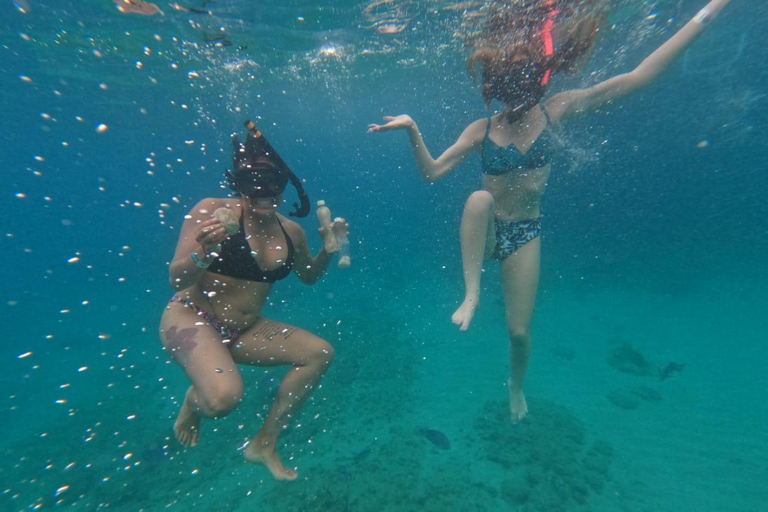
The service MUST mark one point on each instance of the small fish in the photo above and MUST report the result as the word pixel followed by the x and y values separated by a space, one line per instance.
pixel 362 455
pixel 671 368
pixel 137 7
pixel 435 437
pixel 216 40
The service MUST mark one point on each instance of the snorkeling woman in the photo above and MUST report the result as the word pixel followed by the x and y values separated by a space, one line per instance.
pixel 222 271
pixel 519 52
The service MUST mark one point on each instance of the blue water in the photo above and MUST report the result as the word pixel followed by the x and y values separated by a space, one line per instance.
pixel 655 237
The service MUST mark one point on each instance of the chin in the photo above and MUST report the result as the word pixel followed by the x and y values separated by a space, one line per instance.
pixel 262 206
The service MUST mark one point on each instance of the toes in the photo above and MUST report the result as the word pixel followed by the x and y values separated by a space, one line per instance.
pixel 187 438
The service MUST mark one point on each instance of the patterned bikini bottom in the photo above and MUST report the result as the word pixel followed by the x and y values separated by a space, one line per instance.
pixel 511 235
pixel 228 334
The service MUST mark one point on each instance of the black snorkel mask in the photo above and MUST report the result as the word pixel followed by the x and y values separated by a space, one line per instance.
pixel 259 172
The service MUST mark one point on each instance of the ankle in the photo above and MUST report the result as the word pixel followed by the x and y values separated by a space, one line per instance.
pixel 258 445
pixel 472 298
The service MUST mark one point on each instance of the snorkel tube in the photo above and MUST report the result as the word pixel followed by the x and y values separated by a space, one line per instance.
pixel 258 170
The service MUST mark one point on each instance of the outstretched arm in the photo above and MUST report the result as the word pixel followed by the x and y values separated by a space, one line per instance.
pixel 433 169
pixel 570 103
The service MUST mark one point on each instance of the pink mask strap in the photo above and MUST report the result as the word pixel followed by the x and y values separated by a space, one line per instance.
pixel 546 36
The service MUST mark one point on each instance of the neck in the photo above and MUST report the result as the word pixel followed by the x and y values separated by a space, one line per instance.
pixel 520 119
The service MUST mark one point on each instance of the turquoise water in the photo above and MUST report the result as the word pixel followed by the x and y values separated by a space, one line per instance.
pixel 655 246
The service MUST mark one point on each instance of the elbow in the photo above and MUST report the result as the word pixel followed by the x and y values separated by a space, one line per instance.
pixel 176 284
pixel 641 77
pixel 308 278
pixel 173 279
pixel 435 172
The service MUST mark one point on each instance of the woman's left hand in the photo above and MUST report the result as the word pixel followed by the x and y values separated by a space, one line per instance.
pixel 340 227
pixel 392 123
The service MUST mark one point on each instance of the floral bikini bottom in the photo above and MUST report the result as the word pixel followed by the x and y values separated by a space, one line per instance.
pixel 228 334
pixel 511 235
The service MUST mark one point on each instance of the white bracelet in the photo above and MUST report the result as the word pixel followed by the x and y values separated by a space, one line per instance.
pixel 704 16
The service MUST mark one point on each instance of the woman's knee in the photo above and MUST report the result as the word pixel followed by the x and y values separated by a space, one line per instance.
pixel 221 399
pixel 322 353
pixel 479 202
pixel 519 334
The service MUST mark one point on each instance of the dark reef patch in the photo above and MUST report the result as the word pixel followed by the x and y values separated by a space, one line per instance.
pixel 551 463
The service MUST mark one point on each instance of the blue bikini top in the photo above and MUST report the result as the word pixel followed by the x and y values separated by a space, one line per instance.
pixel 497 160
pixel 236 259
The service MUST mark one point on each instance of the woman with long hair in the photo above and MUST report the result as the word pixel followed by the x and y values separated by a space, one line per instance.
pixel 521 48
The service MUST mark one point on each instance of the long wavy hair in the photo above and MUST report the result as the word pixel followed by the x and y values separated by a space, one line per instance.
pixel 511 36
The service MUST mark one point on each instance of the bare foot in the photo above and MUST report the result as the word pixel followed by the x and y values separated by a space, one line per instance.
pixel 463 315
pixel 518 407
pixel 268 458
pixel 187 426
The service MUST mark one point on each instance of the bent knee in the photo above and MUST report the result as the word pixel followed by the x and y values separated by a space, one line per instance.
pixel 480 201
pixel 222 400
pixel 323 353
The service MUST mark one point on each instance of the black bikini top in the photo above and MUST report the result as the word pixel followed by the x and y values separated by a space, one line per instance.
pixel 236 259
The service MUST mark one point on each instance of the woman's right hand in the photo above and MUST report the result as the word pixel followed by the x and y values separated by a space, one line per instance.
pixel 392 123
pixel 210 234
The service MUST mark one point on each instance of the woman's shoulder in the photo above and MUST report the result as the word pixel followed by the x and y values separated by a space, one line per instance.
pixel 292 227
pixel 479 125
pixel 206 207
pixel 219 202
pixel 475 131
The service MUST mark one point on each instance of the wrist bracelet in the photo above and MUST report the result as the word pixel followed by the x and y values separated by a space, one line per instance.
pixel 197 261
pixel 703 17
